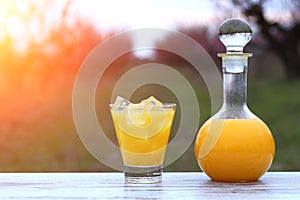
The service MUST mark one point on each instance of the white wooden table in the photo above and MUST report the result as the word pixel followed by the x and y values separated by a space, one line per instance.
pixel 273 185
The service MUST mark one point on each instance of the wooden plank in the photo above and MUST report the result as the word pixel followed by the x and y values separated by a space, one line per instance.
pixel 273 185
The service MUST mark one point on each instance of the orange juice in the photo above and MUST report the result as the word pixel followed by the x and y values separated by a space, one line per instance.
pixel 144 137
pixel 234 150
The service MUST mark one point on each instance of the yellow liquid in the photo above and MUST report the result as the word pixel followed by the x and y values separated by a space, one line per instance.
pixel 237 150
pixel 142 148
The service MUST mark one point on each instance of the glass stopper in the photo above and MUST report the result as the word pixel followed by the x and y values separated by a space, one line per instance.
pixel 235 34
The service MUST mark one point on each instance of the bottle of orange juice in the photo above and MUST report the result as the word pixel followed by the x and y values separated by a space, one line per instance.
pixel 234 145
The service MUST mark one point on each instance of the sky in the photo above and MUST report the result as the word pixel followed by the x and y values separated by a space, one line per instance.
pixel 145 13
pixel 125 13
pixel 19 20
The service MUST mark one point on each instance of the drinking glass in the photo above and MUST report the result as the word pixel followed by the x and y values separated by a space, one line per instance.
pixel 143 132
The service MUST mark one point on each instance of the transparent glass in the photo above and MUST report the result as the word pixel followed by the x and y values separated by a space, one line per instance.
pixel 234 145
pixel 143 147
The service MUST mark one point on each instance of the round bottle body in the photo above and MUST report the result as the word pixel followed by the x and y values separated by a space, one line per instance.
pixel 234 150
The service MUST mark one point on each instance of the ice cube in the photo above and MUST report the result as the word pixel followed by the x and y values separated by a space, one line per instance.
pixel 152 101
pixel 120 103
pixel 137 114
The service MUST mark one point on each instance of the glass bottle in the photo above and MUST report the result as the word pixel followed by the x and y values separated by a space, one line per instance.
pixel 234 145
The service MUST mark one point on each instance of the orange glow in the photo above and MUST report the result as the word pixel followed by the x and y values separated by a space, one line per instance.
pixel 23 21
pixel 12 22
pixel 38 54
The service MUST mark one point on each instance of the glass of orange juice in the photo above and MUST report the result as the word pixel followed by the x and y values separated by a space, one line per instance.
pixel 142 131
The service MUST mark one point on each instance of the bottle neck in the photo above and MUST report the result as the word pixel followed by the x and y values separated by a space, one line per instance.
pixel 235 89
pixel 235 69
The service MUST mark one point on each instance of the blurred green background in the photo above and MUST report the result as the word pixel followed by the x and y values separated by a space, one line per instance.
pixel 43 43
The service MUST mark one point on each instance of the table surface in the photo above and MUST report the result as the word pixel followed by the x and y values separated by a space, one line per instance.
pixel 183 185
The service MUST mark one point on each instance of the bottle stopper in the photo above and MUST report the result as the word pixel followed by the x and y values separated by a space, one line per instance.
pixel 235 34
